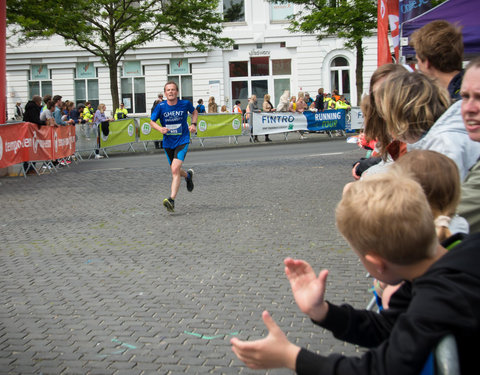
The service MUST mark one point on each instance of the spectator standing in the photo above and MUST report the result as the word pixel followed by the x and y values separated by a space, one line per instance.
pixel 46 99
pixel 76 114
pixel 212 106
pixel 469 206
pixel 200 107
pixel 308 100
pixel 439 50
pixel 319 100
pixel 283 102
pixel 18 111
pixel 252 107
pixel 236 107
pixel 32 114
pixel 414 109
pixel 58 115
pixel 341 103
pixel 267 107
pixel 121 113
pixel 32 111
pixel 301 107
pixel 47 114
pixel 100 124
pixel 223 109
pixel 157 101
pixel 292 106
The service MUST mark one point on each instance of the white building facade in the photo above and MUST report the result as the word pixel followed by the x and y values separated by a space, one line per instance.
pixel 266 58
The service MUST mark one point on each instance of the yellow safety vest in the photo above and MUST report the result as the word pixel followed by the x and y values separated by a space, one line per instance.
pixel 124 111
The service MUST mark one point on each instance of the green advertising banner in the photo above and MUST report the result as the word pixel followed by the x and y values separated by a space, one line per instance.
pixel 220 125
pixel 121 132
pixel 147 133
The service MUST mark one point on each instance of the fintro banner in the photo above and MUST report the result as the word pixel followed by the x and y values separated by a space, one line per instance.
pixel 281 122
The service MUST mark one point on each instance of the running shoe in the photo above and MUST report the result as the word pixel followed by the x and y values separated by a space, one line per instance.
pixel 189 179
pixel 169 204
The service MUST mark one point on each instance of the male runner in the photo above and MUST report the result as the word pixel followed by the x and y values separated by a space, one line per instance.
pixel 173 115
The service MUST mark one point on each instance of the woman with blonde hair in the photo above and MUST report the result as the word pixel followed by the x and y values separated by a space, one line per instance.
pixel 101 126
pixel 252 106
pixel 414 109
pixel 267 107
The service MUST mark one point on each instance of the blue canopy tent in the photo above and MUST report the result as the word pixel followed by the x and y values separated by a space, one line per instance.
pixel 461 12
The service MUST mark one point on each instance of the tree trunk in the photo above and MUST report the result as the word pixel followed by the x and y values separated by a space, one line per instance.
pixel 113 69
pixel 359 71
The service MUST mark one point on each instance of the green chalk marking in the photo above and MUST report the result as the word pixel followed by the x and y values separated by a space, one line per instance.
pixel 205 337
pixel 193 334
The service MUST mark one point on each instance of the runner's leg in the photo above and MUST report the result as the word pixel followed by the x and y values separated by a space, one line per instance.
pixel 177 174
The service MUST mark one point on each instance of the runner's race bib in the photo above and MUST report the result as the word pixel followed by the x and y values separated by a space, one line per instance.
pixel 174 129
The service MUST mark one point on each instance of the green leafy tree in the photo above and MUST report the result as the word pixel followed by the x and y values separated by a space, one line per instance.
pixel 349 19
pixel 110 28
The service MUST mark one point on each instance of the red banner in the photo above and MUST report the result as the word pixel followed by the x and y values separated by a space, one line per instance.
pixel 28 142
pixel 393 20
pixel 383 47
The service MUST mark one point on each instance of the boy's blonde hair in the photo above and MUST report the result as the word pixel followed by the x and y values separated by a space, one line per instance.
pixel 438 175
pixel 388 214
pixel 410 103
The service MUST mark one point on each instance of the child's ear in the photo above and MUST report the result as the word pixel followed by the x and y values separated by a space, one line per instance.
pixel 376 261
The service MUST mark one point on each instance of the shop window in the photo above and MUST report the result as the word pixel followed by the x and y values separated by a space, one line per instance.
pixel 259 66
pixel 281 67
pixel 238 69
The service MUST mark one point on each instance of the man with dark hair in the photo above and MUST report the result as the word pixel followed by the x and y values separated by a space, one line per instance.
pixel 439 50
pixel 32 111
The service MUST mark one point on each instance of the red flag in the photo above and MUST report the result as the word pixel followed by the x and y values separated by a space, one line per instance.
pixel 383 47
pixel 393 20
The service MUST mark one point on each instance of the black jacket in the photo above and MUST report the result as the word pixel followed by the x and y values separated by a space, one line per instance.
pixel 446 299
pixel 32 113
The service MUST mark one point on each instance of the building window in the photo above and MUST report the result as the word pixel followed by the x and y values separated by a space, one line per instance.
pixel 133 94
pixel 133 87
pixel 340 76
pixel 280 67
pixel 180 72
pixel 40 82
pixel 86 90
pixel 238 69
pixel 260 66
pixel 86 84
pixel 253 77
pixel 233 11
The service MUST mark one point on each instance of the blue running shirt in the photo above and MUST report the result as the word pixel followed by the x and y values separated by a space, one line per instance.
pixel 174 118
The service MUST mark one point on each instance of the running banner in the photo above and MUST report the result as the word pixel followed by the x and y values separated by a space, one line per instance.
pixel 26 141
pixel 147 133
pixel 120 132
pixel 281 122
pixel 220 125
